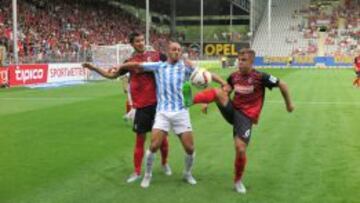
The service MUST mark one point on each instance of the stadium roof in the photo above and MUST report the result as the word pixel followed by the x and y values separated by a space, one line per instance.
pixel 189 7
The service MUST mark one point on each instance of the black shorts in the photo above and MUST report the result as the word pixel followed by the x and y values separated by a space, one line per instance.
pixel 144 119
pixel 241 124
pixel 358 74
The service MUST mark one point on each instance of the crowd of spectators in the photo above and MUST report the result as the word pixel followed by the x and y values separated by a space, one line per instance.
pixel 340 21
pixel 63 30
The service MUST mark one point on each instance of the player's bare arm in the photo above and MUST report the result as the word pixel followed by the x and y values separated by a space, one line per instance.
pixel 189 63
pixel 131 66
pixel 285 93
pixel 102 71
pixel 220 81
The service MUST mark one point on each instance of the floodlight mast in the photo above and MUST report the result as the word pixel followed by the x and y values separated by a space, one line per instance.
pixel 15 31
pixel 201 29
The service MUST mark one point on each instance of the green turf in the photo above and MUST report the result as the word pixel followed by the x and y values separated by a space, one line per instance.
pixel 71 145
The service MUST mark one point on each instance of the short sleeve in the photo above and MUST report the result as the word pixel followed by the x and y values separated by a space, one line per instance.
pixel 151 66
pixel 270 81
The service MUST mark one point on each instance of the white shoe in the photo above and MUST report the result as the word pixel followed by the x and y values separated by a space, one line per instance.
pixel 145 183
pixel 239 187
pixel 133 177
pixel 167 169
pixel 189 178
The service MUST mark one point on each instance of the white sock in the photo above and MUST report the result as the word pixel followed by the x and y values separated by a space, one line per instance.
pixel 189 162
pixel 149 161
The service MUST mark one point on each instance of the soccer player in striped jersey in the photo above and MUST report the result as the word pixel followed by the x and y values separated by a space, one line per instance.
pixel 143 95
pixel 171 113
pixel 244 109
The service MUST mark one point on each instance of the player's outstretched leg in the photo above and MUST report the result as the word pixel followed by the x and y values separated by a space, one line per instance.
pixel 239 164
pixel 156 140
pixel 188 144
pixel 206 96
pixel 211 95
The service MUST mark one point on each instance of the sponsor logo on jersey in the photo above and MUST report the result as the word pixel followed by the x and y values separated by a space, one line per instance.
pixel 244 89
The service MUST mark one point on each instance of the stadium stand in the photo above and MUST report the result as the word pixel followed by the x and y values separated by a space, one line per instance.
pixel 64 31
pixel 283 19
pixel 46 37
pixel 319 28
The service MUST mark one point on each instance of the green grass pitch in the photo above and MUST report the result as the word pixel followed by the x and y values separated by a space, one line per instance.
pixel 71 145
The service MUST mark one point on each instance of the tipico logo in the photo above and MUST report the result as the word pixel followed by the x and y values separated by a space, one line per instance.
pixel 28 74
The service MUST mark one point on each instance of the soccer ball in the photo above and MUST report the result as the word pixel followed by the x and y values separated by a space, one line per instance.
pixel 201 78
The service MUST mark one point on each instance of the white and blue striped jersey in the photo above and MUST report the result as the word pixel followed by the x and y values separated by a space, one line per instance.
pixel 169 83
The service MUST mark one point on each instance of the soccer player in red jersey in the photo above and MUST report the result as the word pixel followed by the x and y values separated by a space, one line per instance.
pixel 244 109
pixel 143 94
pixel 356 81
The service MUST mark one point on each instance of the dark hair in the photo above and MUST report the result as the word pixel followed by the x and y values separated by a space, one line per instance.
pixel 172 42
pixel 163 57
pixel 133 35
pixel 244 51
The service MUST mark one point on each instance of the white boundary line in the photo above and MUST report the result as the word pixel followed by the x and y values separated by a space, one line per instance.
pixel 44 98
pixel 89 98
pixel 316 102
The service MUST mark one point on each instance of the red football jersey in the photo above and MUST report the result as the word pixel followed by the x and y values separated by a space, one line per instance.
pixel 142 85
pixel 250 91
pixel 357 63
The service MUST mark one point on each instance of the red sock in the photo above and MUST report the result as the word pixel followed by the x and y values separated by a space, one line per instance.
pixel 139 152
pixel 240 162
pixel 128 106
pixel 164 150
pixel 205 96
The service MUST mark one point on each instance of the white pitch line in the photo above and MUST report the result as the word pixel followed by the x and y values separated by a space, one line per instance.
pixel 88 98
pixel 316 102
pixel 44 98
